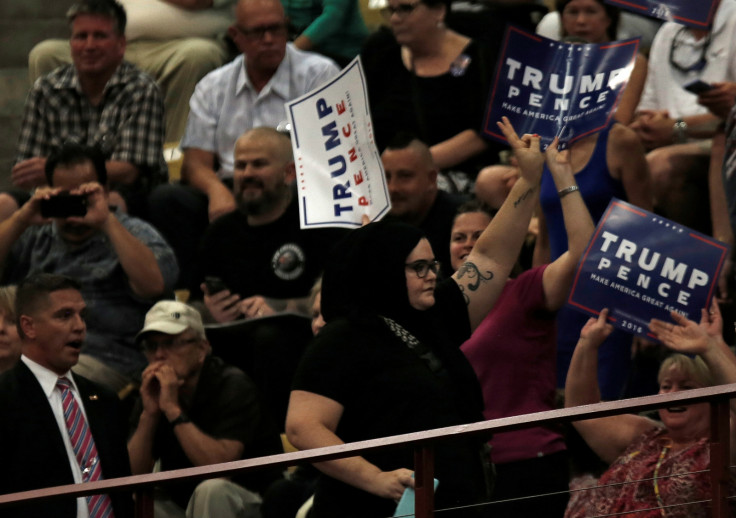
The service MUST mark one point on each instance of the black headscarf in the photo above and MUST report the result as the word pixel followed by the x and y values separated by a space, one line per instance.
pixel 365 278
pixel 365 275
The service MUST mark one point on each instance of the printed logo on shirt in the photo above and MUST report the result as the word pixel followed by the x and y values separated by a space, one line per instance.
pixel 288 262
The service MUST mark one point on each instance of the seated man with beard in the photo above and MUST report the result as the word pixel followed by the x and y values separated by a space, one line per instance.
pixel 265 262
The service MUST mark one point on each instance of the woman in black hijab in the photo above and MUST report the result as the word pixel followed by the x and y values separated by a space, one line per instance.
pixel 388 360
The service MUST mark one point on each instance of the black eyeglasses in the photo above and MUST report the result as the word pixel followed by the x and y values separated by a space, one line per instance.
pixel 168 344
pixel 422 267
pixel 278 30
pixel 400 9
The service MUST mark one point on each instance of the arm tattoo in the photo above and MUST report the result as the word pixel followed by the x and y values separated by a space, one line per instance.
pixel 475 278
pixel 523 197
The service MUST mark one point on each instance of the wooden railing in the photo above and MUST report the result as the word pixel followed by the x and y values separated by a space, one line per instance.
pixel 423 444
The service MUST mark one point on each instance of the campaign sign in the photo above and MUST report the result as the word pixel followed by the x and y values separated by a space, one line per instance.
pixel 642 266
pixel 696 13
pixel 557 89
pixel 338 169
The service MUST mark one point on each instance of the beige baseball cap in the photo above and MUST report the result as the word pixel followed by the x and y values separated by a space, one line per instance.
pixel 172 317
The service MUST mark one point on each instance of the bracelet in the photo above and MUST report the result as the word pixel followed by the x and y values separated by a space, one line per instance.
pixel 679 131
pixel 567 190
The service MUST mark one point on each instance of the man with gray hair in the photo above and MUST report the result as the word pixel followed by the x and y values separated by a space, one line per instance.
pixel 98 100
pixel 195 410
pixel 246 93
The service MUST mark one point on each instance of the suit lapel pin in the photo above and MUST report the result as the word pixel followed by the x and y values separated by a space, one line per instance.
pixel 93 397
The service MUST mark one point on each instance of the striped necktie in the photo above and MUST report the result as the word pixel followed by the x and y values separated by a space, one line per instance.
pixel 85 450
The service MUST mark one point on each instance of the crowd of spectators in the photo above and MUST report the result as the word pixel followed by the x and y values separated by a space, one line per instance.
pixel 439 315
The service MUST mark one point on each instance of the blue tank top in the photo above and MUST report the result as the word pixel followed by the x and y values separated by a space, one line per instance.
pixel 597 187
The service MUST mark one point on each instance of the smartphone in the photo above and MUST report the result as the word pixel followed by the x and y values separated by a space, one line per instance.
pixel 214 284
pixel 64 205
pixel 697 86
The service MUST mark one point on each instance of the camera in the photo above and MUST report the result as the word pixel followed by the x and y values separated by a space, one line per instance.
pixel 64 205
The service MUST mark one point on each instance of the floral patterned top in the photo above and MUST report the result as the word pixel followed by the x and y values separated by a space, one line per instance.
pixel 651 481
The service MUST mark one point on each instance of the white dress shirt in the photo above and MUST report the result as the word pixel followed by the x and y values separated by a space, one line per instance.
pixel 47 379
pixel 225 104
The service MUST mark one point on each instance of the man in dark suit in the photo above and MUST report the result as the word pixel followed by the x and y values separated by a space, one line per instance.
pixel 36 449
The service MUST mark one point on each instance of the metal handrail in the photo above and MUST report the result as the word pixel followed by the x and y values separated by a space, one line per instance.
pixel 423 442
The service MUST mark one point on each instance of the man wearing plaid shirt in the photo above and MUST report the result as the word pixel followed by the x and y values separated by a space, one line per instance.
pixel 98 100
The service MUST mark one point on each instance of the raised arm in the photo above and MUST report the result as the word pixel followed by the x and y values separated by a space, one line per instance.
pixel 137 260
pixel 608 437
pixel 483 275
pixel 706 340
pixel 311 422
pixel 558 276
pixel 27 215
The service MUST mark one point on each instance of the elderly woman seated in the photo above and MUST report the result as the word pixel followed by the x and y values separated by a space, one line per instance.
pixel 656 468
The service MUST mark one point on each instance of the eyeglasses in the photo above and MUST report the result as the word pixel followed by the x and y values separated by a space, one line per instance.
pixel 422 267
pixel 277 30
pixel 400 9
pixel 167 344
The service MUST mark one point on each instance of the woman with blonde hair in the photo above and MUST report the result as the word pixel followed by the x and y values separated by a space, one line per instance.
pixel 656 467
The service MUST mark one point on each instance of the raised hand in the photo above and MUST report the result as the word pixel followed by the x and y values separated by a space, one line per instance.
pixel 684 335
pixel 596 330
pixel 526 150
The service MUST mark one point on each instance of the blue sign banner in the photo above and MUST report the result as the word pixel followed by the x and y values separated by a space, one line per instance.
pixel 642 266
pixel 557 89
pixel 695 13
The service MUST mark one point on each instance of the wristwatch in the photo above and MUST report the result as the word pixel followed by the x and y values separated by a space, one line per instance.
pixel 679 131
pixel 183 418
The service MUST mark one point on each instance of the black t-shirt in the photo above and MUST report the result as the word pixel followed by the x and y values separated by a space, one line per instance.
pixel 225 405
pixel 386 389
pixel 277 260
pixel 433 108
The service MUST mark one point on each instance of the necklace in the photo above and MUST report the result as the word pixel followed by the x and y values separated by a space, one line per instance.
pixel 657 494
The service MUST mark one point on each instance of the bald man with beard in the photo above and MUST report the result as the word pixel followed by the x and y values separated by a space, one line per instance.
pixel 266 262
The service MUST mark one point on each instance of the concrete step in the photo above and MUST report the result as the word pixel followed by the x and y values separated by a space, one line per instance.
pixel 34 9
pixel 13 91
pixel 18 36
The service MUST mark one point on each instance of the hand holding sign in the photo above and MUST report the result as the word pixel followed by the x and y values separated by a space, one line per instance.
pixel 559 162
pixel 596 330
pixel 340 176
